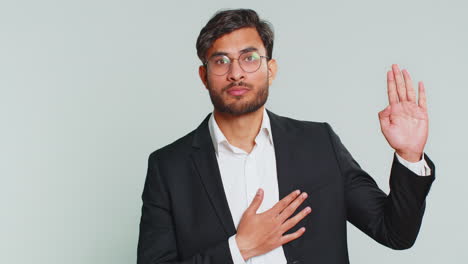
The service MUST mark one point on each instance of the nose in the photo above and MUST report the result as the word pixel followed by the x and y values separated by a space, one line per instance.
pixel 235 73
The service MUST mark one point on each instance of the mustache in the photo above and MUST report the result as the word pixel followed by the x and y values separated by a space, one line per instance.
pixel 244 84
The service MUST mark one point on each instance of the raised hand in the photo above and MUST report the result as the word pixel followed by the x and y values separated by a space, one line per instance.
pixel 404 122
pixel 258 234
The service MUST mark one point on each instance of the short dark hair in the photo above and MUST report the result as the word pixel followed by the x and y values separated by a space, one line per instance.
pixel 227 21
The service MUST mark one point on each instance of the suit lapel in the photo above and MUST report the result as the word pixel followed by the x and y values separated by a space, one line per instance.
pixel 284 154
pixel 206 164
pixel 288 171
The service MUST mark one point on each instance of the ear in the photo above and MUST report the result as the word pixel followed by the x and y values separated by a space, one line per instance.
pixel 272 69
pixel 203 75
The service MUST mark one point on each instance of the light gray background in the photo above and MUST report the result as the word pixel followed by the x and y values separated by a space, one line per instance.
pixel 90 88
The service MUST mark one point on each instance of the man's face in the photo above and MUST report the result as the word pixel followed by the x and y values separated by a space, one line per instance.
pixel 238 92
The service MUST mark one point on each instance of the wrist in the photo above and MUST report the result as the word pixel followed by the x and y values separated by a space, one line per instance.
pixel 245 252
pixel 410 156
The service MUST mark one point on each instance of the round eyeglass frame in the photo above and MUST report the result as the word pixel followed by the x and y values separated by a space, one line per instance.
pixel 240 64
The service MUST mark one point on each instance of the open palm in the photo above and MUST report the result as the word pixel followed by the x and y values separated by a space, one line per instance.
pixel 404 122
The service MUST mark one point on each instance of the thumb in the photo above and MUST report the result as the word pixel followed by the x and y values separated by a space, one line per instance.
pixel 385 113
pixel 256 202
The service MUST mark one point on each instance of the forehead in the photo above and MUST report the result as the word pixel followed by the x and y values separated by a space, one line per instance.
pixel 236 41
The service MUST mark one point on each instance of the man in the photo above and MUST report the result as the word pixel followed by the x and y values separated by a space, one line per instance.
pixel 236 189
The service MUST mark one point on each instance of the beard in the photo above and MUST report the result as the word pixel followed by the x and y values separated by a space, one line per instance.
pixel 238 107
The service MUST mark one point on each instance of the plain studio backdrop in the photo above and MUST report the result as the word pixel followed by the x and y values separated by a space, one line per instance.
pixel 90 88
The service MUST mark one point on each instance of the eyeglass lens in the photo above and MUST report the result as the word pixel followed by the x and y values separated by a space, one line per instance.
pixel 249 62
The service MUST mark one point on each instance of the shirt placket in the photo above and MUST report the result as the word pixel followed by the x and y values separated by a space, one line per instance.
pixel 252 180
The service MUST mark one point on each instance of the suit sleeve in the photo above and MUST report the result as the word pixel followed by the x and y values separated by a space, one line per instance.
pixel 393 220
pixel 157 241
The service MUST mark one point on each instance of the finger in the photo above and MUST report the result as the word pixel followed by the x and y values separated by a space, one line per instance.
pixel 422 96
pixel 256 202
pixel 294 220
pixel 400 83
pixel 410 94
pixel 288 211
pixel 290 237
pixel 279 206
pixel 391 88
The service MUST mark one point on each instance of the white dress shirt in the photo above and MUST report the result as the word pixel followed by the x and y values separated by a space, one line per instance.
pixel 243 173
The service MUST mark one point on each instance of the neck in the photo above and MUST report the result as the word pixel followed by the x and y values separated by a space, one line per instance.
pixel 241 130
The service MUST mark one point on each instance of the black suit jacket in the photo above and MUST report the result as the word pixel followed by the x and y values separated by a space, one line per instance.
pixel 186 217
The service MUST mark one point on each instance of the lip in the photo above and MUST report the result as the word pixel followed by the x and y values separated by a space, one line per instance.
pixel 237 90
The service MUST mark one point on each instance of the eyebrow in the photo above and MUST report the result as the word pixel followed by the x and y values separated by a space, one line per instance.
pixel 222 53
pixel 248 49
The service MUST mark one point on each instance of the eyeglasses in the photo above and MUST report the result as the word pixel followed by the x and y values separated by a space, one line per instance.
pixel 221 64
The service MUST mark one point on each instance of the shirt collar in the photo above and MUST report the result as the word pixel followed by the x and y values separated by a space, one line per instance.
pixel 219 139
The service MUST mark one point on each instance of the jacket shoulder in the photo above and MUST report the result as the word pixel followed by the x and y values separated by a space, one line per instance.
pixel 174 150
pixel 291 124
